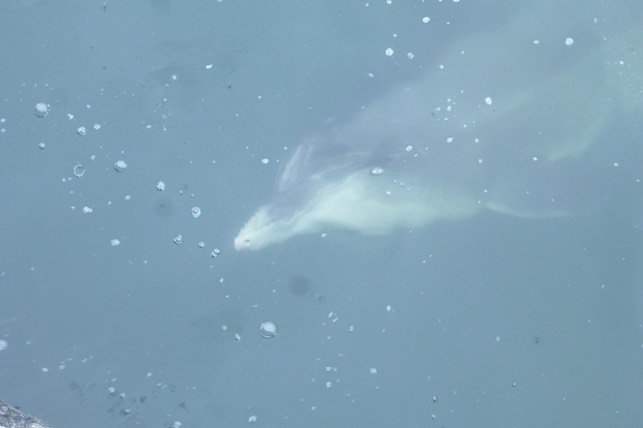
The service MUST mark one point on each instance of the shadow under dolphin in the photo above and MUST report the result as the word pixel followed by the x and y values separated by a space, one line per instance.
pixel 503 121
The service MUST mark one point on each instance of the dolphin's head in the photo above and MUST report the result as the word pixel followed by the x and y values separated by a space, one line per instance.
pixel 312 186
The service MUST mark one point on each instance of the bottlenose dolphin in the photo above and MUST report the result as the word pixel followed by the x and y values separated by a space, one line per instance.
pixel 500 122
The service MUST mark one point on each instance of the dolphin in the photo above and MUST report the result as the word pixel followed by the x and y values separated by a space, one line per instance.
pixel 500 121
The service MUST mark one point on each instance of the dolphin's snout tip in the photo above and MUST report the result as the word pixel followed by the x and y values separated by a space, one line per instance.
pixel 241 243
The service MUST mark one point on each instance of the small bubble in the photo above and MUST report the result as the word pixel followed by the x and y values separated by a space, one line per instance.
pixel 426 19
pixel 178 239
pixel 196 212
pixel 97 126
pixel 201 244
pixel 215 253
pixel 377 170
pixel 569 41
pixel 410 55
pixel 115 242
pixel 120 165
pixel 3 345
pixel 41 110
pixel 265 161
pixel 252 419
pixel 41 146
pixel 160 186
pixel 79 170
pixel 87 210
pixel 488 101
pixel 389 52
pixel 82 131
pixel 268 329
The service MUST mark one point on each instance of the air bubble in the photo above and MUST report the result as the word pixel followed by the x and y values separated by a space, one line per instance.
pixel 79 170
pixel 120 165
pixel 41 110
pixel 268 329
